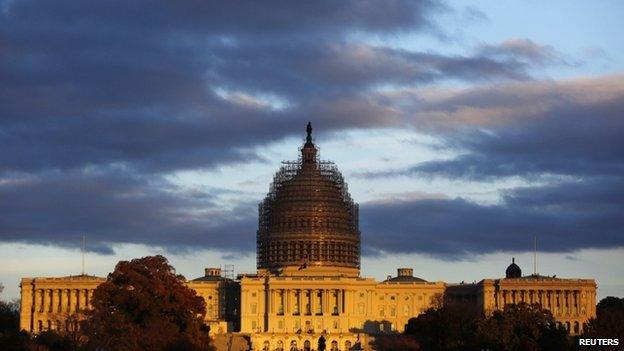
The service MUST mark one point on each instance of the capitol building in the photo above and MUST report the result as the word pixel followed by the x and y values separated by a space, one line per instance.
pixel 308 284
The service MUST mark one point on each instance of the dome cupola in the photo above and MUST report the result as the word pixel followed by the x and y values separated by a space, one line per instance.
pixel 513 270
pixel 308 222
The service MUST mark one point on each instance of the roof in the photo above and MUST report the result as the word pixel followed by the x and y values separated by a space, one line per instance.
pixel 538 276
pixel 405 279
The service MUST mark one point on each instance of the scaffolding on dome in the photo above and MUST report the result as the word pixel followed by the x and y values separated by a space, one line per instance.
pixel 288 171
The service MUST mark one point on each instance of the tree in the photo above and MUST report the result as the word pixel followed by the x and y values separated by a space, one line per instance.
pixel 395 343
pixel 11 338
pixel 521 327
pixel 609 321
pixel 54 341
pixel 145 305
pixel 446 327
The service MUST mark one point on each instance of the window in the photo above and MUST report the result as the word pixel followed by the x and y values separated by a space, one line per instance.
pixel 360 308
pixel 254 308
pixel 254 325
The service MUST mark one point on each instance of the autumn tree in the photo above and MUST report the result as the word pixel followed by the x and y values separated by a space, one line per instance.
pixel 145 305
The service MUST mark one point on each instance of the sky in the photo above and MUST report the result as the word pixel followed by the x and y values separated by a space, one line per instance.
pixel 464 131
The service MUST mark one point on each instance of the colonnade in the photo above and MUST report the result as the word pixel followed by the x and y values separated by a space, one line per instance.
pixel 558 301
pixel 307 301
pixel 62 300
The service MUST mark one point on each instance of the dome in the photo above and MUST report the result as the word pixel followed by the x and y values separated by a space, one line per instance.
pixel 405 275
pixel 513 270
pixel 308 218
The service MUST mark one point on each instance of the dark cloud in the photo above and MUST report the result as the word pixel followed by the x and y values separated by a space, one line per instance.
pixel 100 100
pixel 237 17
pixel 150 85
pixel 565 217
pixel 116 207
pixel 565 134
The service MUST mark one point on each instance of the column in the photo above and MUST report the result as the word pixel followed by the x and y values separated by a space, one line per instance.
pixel 287 308
pixel 569 302
pixel 27 305
pixel 327 308
pixel 46 300
pixel 72 300
pixel 39 300
pixel 271 308
pixel 282 301
pixel 90 299
pixel 547 299
pixel 77 295
pixel 340 301
pixel 298 300
pixel 349 302
pixel 312 301
pixel 84 297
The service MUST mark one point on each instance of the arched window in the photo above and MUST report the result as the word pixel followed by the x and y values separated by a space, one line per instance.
pixel 576 327
pixel 280 346
pixel 306 345
pixel 266 346
pixel 334 345
pixel 293 345
pixel 347 345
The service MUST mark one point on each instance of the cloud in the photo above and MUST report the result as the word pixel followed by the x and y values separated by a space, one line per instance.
pixel 101 102
pixel 119 83
pixel 525 50
pixel 117 207
pixel 567 134
pixel 526 129
pixel 565 217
